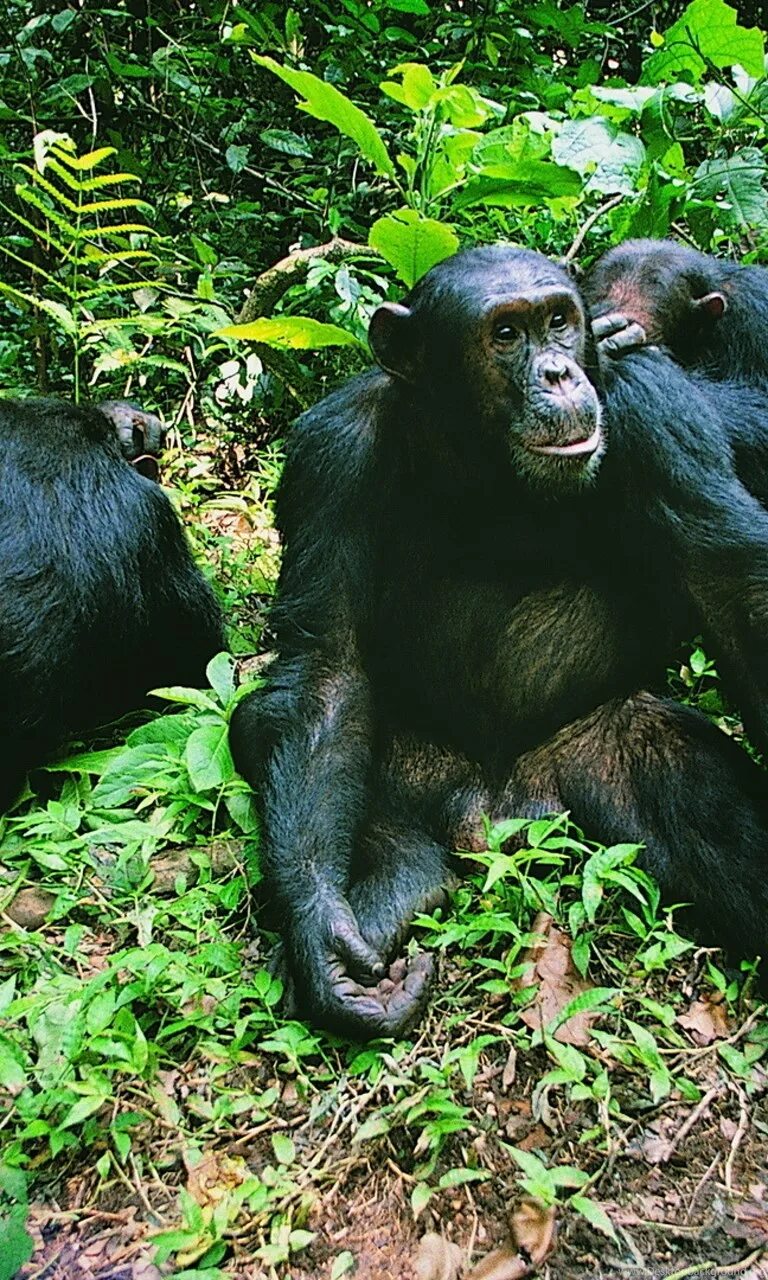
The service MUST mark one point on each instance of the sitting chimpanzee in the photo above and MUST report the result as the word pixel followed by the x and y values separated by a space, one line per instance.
pixel 100 600
pixel 711 316
pixel 472 602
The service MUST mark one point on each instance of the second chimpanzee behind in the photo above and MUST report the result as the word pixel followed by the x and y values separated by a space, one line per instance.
pixel 100 600
pixel 484 570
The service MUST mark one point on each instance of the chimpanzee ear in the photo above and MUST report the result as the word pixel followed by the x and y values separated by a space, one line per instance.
pixel 712 305
pixel 391 339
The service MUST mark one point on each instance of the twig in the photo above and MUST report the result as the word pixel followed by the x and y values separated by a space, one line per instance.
pixel 270 286
pixel 696 1114
pixel 701 1182
pixel 738 1138
pixel 588 225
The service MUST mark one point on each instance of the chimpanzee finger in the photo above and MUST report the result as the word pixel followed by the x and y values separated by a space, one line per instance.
pixel 359 958
pixel 628 339
pixel 389 1009
pixel 609 323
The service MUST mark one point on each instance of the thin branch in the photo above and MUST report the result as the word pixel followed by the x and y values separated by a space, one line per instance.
pixel 270 286
pixel 589 224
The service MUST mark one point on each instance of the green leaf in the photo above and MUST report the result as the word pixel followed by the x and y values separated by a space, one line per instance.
pixel 594 1214
pixel 12 1074
pixel 707 32
pixel 17 1244
pixel 325 102
pixel 220 674
pixel 82 1109
pixel 289 143
pixel 420 1198
pixel 343 1263
pixel 738 179
pixel 416 89
pixel 237 158
pixel 208 757
pixel 412 244
pixel 521 183
pixel 595 147
pixel 284 1149
pixel 408 6
pixel 291 332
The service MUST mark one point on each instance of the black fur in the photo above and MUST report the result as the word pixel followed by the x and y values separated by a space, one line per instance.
pixel 99 597
pixel 464 629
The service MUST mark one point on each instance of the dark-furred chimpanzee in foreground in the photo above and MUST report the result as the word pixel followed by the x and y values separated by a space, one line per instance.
pixel 100 600
pixel 710 316
pixel 472 605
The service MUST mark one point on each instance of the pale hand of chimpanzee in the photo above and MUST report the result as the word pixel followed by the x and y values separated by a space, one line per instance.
pixel 343 982
pixel 615 334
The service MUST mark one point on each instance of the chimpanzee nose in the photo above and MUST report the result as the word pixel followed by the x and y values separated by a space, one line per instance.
pixel 554 369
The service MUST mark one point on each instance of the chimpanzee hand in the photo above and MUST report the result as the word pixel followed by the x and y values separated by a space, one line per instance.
pixel 616 334
pixel 342 982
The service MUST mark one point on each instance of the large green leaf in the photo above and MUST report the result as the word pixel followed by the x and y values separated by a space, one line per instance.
pixel 738 179
pixel 595 147
pixel 208 758
pixel 526 182
pixel 412 244
pixel 707 32
pixel 297 332
pixel 325 102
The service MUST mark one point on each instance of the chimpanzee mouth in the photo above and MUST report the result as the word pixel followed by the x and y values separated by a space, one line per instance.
pixel 574 449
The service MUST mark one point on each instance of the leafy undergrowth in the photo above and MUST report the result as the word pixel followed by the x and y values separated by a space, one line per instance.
pixel 581 1066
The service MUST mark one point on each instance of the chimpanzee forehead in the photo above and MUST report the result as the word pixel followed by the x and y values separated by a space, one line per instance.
pixel 478 280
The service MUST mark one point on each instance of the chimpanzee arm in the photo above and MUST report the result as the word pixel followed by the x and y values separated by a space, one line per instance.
pixel 670 455
pixel 305 742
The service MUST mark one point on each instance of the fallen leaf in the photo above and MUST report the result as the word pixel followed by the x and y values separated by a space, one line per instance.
pixel 549 965
pixel 706 1020
pixel 437 1258
pixel 510 1070
pixel 30 907
pixel 214 1177
pixel 532 1231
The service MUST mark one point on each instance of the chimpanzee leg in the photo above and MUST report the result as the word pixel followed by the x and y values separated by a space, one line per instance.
pixel 649 770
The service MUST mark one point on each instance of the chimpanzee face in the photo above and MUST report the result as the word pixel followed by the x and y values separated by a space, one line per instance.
pixel 667 288
pixel 493 342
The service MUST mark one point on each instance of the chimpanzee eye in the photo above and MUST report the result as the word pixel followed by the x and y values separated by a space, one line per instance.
pixel 558 320
pixel 504 332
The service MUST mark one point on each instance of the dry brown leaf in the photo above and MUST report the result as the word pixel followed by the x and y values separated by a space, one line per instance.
pixel 705 1021
pixel 510 1070
pixel 214 1177
pixel 532 1230
pixel 549 965
pixel 30 907
pixel 437 1258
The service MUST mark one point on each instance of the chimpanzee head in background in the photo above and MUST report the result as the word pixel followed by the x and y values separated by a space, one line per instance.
pixel 491 346
pixel 675 294
pixel 141 434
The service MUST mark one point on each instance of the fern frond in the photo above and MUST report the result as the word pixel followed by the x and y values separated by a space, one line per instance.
pixel 32 197
pixel 55 310
pixel 89 184
pixel 37 232
pixel 93 254
pixel 53 191
pixel 30 266
pixel 127 202
pixel 88 161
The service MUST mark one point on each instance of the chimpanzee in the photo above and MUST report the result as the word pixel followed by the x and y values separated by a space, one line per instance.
pixel 487 563
pixel 100 600
pixel 710 315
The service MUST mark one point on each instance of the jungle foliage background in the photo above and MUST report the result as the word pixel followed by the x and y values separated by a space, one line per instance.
pixel 200 206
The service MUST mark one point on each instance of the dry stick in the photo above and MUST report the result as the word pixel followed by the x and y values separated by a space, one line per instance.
pixel 588 225
pixel 701 1182
pixel 695 1115
pixel 738 1138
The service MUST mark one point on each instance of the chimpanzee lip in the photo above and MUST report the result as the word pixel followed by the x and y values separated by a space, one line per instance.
pixel 575 449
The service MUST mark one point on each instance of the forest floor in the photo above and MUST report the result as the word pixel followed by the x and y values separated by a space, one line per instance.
pixel 585 1096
